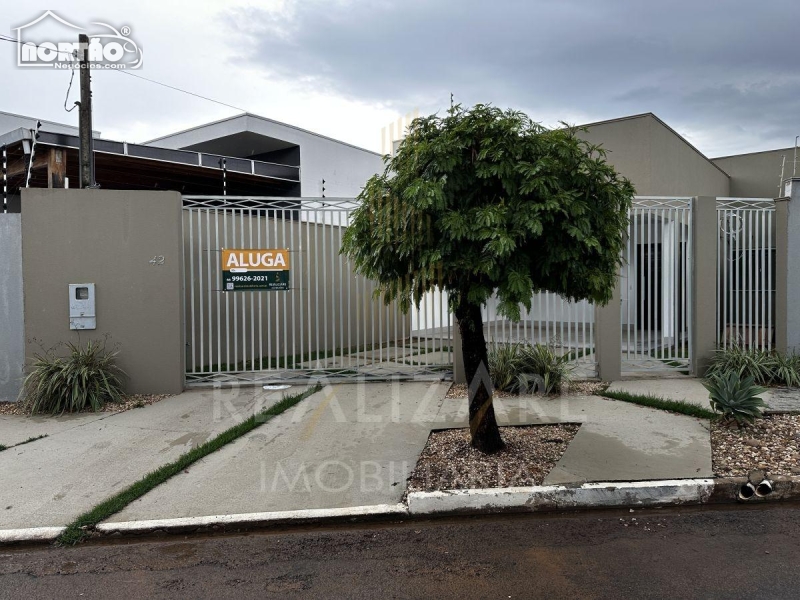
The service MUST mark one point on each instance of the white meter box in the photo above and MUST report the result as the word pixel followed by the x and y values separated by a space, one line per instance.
pixel 82 313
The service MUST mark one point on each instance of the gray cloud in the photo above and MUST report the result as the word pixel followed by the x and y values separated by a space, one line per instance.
pixel 726 70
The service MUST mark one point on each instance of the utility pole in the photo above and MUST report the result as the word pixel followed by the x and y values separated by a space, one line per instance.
pixel 85 116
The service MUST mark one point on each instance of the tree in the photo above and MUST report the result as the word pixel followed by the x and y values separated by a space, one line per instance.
pixel 484 201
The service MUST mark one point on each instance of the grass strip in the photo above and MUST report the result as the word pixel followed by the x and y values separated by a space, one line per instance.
pixel 677 406
pixel 28 441
pixel 81 527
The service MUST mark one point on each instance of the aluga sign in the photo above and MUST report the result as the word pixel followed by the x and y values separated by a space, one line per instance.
pixel 255 269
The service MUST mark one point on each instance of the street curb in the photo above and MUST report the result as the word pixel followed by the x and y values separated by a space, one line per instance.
pixel 254 520
pixel 561 497
pixel 632 494
pixel 31 534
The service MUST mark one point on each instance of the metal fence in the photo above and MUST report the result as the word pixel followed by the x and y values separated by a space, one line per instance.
pixel 566 327
pixel 328 324
pixel 657 286
pixel 746 272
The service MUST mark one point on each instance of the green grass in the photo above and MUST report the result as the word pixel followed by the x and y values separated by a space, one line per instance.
pixel 28 441
pixel 32 439
pixel 677 406
pixel 81 527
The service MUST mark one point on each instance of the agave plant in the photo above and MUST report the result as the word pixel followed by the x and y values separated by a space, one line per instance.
pixel 87 376
pixel 735 398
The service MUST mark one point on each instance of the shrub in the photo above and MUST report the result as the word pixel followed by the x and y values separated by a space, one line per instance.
pixel 765 367
pixel 87 377
pixel 504 366
pixel 786 369
pixel 548 364
pixel 735 397
pixel 754 363
pixel 524 368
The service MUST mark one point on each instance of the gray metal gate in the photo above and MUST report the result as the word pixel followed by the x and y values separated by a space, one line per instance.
pixel 656 281
pixel 328 324
pixel 746 272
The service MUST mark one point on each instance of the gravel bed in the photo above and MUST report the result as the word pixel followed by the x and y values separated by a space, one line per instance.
pixel 134 401
pixel 459 390
pixel 449 462
pixel 772 445
pixel 573 388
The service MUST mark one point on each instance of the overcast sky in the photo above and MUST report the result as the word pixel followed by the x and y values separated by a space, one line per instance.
pixel 723 73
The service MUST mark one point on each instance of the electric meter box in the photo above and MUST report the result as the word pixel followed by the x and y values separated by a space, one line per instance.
pixel 82 313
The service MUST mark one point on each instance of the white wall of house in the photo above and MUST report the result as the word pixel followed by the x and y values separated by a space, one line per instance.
pixel 344 167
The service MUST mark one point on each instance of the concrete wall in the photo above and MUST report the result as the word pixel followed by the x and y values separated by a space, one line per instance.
pixel 757 175
pixel 12 336
pixel 109 238
pixel 656 159
pixel 345 168
pixel 790 242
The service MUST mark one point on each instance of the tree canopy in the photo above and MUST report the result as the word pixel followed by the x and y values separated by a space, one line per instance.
pixel 482 201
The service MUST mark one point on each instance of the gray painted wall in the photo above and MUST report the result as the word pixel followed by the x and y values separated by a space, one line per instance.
pixel 656 159
pixel 345 168
pixel 757 175
pixel 792 240
pixel 107 238
pixel 12 336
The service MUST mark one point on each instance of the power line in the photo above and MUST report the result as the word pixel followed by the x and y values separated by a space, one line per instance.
pixel 177 89
pixel 69 88
pixel 5 38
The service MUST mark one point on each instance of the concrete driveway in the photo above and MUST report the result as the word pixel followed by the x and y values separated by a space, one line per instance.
pixel 87 458
pixel 350 445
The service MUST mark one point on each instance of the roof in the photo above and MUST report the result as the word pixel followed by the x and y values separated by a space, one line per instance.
pixel 790 150
pixel 120 165
pixel 664 124
pixel 272 121
pixel 42 121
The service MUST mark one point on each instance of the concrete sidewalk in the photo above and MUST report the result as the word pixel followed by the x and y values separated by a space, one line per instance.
pixel 617 441
pixel 355 446
pixel 87 458
pixel 350 445
pixel 689 389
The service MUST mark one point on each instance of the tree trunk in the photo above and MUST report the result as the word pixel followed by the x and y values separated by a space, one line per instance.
pixel 482 421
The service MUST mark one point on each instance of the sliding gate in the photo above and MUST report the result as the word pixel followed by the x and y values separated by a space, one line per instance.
pixel 656 282
pixel 327 324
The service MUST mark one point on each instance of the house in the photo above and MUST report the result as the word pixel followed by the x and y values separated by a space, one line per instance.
pixel 661 162
pixel 343 167
pixel 246 155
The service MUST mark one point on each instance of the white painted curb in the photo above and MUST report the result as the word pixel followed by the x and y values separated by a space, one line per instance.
pixel 32 534
pixel 254 518
pixel 554 497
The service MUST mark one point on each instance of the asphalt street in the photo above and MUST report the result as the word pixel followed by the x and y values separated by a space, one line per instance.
pixel 738 552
